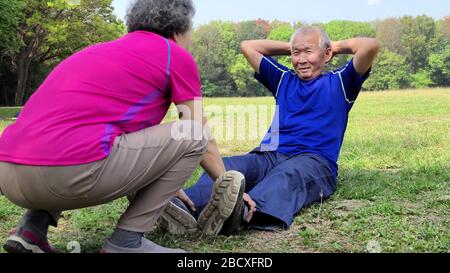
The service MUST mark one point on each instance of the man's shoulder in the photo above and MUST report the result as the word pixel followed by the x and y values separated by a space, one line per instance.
pixel 328 81
pixel 272 62
pixel 334 76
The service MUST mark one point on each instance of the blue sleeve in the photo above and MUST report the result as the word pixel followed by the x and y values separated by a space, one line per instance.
pixel 351 81
pixel 270 74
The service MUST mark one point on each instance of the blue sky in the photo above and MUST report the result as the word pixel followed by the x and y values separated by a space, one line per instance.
pixel 307 11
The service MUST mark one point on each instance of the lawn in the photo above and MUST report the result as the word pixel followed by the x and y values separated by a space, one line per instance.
pixel 393 193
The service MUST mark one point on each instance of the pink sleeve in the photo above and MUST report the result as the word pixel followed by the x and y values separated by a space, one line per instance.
pixel 184 76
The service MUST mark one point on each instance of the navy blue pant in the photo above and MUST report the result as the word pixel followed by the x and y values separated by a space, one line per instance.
pixel 280 185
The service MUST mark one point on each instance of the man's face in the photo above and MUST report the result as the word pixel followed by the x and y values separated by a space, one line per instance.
pixel 308 58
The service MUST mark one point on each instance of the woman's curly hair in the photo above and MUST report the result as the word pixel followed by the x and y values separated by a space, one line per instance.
pixel 164 17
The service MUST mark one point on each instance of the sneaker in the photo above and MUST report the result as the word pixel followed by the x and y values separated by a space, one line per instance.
pixel 25 241
pixel 234 222
pixel 147 246
pixel 224 212
pixel 176 218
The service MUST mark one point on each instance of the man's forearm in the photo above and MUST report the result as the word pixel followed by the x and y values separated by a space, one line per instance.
pixel 353 46
pixel 212 162
pixel 254 50
pixel 267 47
pixel 364 50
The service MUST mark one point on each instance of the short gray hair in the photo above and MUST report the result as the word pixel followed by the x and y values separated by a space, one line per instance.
pixel 324 43
pixel 163 17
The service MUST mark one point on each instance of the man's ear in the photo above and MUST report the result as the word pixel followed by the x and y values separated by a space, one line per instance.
pixel 328 55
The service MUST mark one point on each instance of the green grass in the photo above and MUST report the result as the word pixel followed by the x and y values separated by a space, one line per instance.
pixel 6 116
pixel 8 112
pixel 394 187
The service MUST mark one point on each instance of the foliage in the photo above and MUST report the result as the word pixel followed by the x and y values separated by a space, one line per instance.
pixel 389 71
pixel 37 36
pixel 46 32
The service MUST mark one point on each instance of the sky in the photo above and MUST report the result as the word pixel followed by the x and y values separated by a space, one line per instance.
pixel 311 11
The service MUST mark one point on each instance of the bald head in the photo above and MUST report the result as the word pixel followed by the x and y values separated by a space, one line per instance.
pixel 324 40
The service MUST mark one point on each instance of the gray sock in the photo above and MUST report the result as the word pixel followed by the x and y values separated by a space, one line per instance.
pixel 125 238
pixel 36 221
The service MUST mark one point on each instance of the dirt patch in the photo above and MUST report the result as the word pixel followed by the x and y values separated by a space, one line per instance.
pixel 391 170
pixel 410 207
pixel 319 233
pixel 430 218
pixel 346 207
pixel 444 198
pixel 281 241
pixel 418 214
pixel 350 205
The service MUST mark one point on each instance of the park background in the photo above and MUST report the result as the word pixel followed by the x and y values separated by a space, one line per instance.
pixel 393 194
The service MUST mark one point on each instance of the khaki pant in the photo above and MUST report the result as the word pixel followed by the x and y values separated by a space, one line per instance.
pixel 148 166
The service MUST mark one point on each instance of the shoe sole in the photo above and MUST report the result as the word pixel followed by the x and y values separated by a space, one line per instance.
pixel 177 221
pixel 15 244
pixel 233 224
pixel 222 202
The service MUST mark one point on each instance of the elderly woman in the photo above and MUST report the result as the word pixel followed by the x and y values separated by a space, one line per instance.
pixel 91 133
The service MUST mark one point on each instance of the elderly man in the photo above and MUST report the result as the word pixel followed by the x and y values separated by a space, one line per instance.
pixel 296 164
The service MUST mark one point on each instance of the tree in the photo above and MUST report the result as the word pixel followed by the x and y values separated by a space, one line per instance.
pixel 340 30
pixel 389 34
pixel 51 30
pixel 421 79
pixel 442 37
pixel 440 67
pixel 242 74
pixel 264 24
pixel 10 16
pixel 282 32
pixel 443 29
pixel 389 71
pixel 214 48
pixel 298 25
pixel 251 30
pixel 417 36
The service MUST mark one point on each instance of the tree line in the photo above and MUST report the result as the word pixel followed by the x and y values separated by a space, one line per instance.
pixel 35 35
pixel 415 52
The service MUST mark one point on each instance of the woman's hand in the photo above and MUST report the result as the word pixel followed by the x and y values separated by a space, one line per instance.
pixel 186 200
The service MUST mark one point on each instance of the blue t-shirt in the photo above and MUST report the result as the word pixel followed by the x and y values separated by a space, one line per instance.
pixel 311 116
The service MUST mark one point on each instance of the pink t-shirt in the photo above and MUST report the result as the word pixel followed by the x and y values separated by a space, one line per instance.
pixel 97 94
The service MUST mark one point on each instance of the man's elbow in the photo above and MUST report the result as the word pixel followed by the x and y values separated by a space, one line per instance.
pixel 250 45
pixel 374 46
pixel 245 45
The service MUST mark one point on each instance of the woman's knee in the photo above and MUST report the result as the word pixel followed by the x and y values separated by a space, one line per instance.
pixel 9 187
